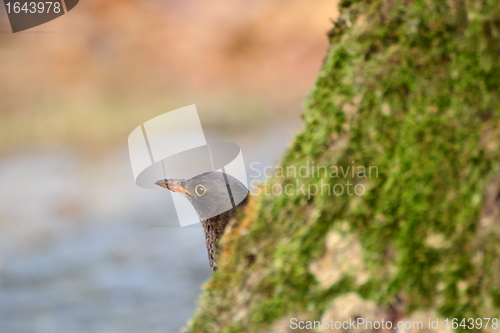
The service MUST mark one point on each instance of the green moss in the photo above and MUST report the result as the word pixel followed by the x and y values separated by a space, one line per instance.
pixel 412 89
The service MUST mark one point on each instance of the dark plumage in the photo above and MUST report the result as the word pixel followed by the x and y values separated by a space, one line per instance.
pixel 216 197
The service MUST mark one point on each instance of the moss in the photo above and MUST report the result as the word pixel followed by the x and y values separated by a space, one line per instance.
pixel 413 89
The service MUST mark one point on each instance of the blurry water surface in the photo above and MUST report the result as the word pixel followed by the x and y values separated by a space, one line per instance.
pixel 83 249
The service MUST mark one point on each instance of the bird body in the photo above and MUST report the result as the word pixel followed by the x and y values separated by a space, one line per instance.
pixel 214 229
pixel 216 197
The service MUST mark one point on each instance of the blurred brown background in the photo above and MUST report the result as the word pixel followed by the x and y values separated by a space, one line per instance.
pixel 82 248
pixel 95 73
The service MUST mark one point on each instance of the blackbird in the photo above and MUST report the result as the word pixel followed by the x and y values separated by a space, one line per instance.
pixel 216 197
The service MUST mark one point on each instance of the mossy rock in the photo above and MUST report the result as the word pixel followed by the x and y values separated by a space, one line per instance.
pixel 412 90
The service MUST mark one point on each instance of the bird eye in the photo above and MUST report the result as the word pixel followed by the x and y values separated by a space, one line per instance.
pixel 200 190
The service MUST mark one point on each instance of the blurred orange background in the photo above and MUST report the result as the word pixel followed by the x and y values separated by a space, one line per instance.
pixel 93 74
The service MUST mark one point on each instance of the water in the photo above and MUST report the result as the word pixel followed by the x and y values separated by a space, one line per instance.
pixel 83 249
pixel 80 251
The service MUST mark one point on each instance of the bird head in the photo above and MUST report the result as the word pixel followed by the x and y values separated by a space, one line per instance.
pixel 211 193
